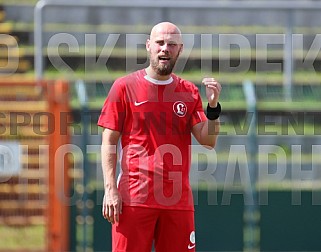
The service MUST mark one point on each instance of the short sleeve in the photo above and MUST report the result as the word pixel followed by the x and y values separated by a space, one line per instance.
pixel 198 114
pixel 113 111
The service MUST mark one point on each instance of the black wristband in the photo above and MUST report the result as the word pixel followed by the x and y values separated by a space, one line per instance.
pixel 213 113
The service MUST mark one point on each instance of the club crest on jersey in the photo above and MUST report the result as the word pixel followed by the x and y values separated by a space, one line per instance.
pixel 180 108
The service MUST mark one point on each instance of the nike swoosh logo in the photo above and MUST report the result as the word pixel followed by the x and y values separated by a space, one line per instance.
pixel 191 246
pixel 140 103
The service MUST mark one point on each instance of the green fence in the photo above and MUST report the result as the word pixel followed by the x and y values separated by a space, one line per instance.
pixel 286 223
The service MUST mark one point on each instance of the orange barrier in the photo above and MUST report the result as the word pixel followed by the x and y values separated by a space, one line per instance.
pixel 33 115
pixel 58 231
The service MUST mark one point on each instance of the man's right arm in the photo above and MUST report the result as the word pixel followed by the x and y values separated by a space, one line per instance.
pixel 112 203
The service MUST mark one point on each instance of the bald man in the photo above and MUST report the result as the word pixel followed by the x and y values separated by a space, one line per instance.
pixel 153 114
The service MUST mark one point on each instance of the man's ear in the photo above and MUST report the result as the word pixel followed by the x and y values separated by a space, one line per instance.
pixel 148 45
pixel 181 49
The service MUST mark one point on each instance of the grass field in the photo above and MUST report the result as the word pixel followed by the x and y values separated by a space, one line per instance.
pixel 26 238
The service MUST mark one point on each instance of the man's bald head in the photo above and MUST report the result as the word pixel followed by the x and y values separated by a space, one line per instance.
pixel 166 28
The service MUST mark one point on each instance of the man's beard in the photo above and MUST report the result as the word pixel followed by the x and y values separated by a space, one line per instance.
pixel 163 69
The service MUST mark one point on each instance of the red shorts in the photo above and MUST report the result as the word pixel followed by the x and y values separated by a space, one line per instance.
pixel 138 227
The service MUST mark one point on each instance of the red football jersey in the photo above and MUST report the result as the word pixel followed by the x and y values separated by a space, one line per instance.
pixel 155 119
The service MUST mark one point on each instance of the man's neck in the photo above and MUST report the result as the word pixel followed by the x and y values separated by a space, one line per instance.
pixel 151 73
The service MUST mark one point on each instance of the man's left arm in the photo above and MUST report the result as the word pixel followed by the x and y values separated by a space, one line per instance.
pixel 206 132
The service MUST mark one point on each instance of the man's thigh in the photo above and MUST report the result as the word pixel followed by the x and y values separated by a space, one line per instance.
pixel 135 230
pixel 175 231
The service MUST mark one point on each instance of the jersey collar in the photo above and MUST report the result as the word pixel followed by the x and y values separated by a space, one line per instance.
pixel 159 82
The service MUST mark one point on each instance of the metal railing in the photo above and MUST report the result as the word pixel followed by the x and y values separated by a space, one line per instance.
pixel 288 6
pixel 251 209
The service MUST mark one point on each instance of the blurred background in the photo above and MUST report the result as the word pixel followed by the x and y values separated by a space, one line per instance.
pixel 259 190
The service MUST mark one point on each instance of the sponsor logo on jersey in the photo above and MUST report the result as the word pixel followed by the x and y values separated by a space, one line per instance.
pixel 140 103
